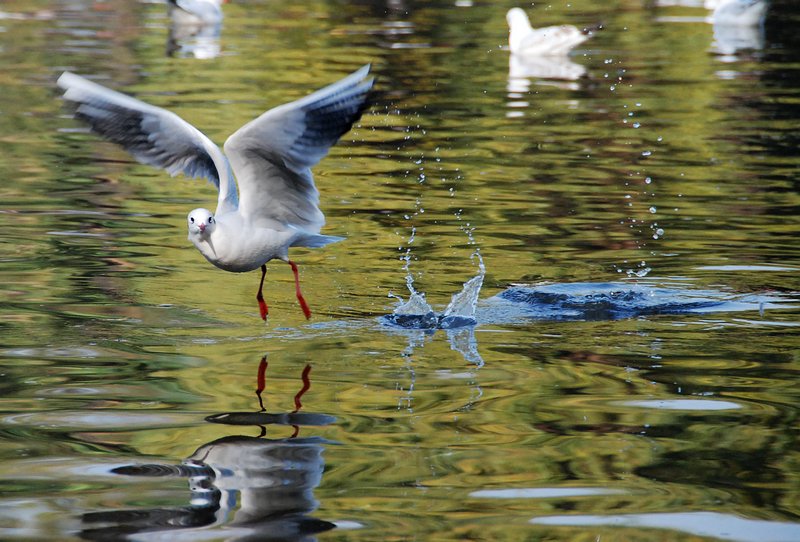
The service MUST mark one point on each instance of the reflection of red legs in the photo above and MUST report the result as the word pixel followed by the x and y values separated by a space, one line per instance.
pixel 262 306
pixel 297 404
pixel 261 380
pixel 306 385
pixel 261 383
pixel 300 298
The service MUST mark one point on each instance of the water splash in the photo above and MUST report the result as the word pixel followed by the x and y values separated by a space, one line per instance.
pixel 417 313
pixel 461 310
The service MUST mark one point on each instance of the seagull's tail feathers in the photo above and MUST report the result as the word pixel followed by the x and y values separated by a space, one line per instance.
pixel 316 240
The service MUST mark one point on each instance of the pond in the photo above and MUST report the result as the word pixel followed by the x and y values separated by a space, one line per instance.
pixel 619 229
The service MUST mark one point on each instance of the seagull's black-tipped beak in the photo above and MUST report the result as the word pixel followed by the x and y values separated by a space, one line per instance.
pixel 202 227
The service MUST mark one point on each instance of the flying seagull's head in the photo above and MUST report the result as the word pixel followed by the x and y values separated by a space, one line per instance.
pixel 201 222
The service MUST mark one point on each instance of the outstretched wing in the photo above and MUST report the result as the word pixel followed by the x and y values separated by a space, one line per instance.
pixel 154 136
pixel 272 155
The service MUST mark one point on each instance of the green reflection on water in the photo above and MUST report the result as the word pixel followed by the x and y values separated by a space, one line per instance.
pixel 118 339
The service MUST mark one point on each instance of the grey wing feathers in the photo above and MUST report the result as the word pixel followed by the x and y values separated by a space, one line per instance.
pixel 329 114
pixel 154 136
pixel 272 155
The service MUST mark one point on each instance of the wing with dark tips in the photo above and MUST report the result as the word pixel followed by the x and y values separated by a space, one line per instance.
pixel 272 155
pixel 154 136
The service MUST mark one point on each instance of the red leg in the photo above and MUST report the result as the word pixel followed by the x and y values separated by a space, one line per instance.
pixel 300 298
pixel 262 306
pixel 261 380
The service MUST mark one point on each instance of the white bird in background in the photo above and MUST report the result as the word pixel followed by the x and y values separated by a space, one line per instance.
pixel 525 40
pixel 739 12
pixel 277 204
pixel 195 28
pixel 738 26
pixel 203 12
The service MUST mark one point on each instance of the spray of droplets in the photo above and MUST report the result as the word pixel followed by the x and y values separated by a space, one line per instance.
pixel 642 193
pixel 417 303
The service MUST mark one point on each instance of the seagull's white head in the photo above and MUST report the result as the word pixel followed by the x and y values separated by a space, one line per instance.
pixel 201 223
pixel 517 19
pixel 519 26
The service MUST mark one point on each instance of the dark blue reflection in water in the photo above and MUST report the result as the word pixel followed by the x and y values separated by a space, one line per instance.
pixel 240 485
pixel 590 301
pixel 615 300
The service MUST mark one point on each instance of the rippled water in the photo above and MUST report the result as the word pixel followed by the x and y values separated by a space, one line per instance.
pixel 629 372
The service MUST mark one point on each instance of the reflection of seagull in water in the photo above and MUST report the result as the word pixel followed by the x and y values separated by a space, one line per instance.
pixel 739 12
pixel 542 67
pixel 541 52
pixel 242 487
pixel 270 484
pixel 738 25
pixel 196 11
pixel 195 28
pixel 277 204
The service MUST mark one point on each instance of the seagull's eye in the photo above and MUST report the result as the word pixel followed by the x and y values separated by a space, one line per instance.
pixel 210 219
pixel 191 219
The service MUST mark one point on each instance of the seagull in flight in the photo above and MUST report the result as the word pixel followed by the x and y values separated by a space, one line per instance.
pixel 276 205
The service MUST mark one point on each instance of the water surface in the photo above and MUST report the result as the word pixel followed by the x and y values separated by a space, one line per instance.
pixel 667 172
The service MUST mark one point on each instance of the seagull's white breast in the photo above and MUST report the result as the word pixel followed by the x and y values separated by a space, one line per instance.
pixel 237 247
